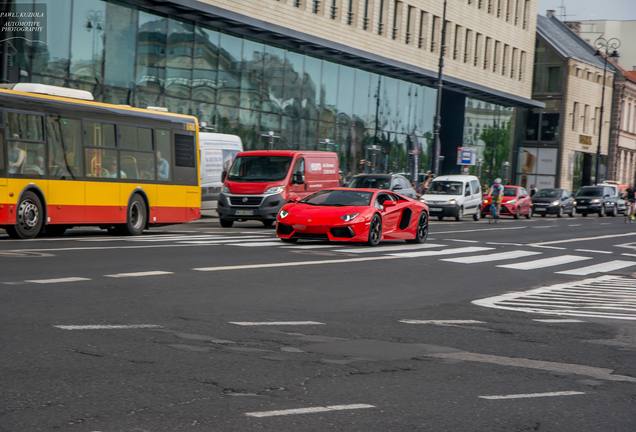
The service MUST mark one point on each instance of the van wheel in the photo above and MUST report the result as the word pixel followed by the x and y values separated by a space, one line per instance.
pixel 601 213
pixel 460 214
pixel 136 216
pixel 476 216
pixel 439 218
pixel 29 217
pixel 226 223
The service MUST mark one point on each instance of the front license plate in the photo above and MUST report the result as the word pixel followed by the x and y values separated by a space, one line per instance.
pixel 435 209
pixel 540 209
pixel 244 212
pixel 581 207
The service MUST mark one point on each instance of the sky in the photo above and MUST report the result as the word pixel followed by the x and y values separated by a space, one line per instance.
pixel 592 9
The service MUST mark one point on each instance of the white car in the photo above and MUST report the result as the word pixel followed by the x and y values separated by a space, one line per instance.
pixel 454 196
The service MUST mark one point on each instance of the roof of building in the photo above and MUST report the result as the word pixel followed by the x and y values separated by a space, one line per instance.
pixel 566 42
pixel 630 75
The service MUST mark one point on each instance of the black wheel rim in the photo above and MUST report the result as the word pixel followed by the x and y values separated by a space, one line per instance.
pixel 28 215
pixel 376 229
pixel 422 228
pixel 136 218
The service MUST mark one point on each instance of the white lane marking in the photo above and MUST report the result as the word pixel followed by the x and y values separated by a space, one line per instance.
pixel 257 243
pixel 491 257
pixel 543 226
pixel 440 322
pixel 558 320
pixel 504 244
pixel 599 268
pixel 628 254
pixel 580 239
pixel 547 247
pixel 363 249
pixel 275 323
pixel 309 247
pixel 58 280
pixel 294 263
pixel 440 252
pixel 258 232
pixel 309 410
pixel 472 230
pixel 593 251
pixel 139 274
pixel 461 241
pixel 575 225
pixel 545 262
pixel 224 241
pixel 532 395
pixel 107 326
pixel 605 223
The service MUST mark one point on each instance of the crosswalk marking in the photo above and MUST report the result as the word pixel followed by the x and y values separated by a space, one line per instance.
pixel 599 268
pixel 500 256
pixel 389 248
pixel 545 262
pixel 275 242
pixel 440 252
pixel 567 299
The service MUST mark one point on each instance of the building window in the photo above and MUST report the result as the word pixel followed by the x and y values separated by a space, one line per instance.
pixel 499 4
pixel 410 16
pixel 487 53
pixel 514 62
pixel 495 57
pixel 595 120
pixel 517 11
pixel 478 49
pixel 299 3
pixel 468 41
pixel 382 16
pixel 397 19
pixel 586 119
pixel 367 12
pixel 436 34
pixel 457 42
pixel 575 117
pixel 352 10
pixel 315 8
pixel 334 10
pixel 522 66
pixel 505 60
pixel 532 126
pixel 423 31
pixel 490 6
pixel 526 11
pixel 508 9
pixel 549 126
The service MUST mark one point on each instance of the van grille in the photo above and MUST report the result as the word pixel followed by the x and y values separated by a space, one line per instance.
pixel 249 201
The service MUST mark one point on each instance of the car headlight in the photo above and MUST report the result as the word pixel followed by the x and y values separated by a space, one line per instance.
pixel 555 202
pixel 573 202
pixel 453 201
pixel 225 189
pixel 595 201
pixel 512 202
pixel 485 201
pixel 349 217
pixel 274 190
pixel 283 213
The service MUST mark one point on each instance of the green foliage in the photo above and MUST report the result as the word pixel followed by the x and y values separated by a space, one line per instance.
pixel 496 151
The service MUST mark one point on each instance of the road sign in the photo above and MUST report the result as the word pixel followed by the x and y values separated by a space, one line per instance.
pixel 465 156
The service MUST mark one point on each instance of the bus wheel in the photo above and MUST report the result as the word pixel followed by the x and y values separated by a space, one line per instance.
pixel 136 216
pixel 29 217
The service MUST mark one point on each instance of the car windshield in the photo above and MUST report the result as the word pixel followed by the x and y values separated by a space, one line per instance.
pixel 338 198
pixel 371 182
pixel 590 192
pixel 259 168
pixel 548 193
pixel 442 187
pixel 510 191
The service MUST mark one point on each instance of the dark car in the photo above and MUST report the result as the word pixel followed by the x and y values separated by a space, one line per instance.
pixel 601 200
pixel 553 201
pixel 394 182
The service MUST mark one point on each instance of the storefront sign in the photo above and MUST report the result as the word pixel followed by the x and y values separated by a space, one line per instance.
pixel 465 156
pixel 585 139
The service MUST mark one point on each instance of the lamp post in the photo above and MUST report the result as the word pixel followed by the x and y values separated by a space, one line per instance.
pixel 437 145
pixel 606 48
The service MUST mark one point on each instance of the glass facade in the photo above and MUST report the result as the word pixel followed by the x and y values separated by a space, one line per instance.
pixel 269 96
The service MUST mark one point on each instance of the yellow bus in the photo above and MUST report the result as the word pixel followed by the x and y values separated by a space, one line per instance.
pixel 66 160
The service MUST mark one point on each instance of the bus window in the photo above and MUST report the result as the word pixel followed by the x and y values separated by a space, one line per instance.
pixel 102 163
pixel 99 134
pixel 163 153
pixel 135 138
pixel 137 165
pixel 26 150
pixel 65 154
pixel 185 164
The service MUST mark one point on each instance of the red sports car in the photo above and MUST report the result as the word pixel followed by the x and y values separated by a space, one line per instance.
pixel 353 215
pixel 515 202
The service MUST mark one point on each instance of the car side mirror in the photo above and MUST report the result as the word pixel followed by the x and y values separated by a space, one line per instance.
pixel 396 187
pixel 298 178
pixel 388 203
pixel 223 176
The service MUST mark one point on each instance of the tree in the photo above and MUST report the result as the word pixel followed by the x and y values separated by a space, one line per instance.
pixel 496 150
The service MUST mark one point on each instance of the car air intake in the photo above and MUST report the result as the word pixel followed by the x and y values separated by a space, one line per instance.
pixel 346 232
pixel 284 229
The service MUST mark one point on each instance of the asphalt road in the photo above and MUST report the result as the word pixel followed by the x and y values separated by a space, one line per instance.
pixel 199 328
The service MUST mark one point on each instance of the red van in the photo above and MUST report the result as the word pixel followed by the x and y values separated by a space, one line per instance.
pixel 260 182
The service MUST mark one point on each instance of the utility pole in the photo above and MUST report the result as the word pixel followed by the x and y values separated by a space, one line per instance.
pixel 437 145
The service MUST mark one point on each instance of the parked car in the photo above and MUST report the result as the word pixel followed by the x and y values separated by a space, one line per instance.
pixel 553 201
pixel 217 153
pixel 599 199
pixel 394 182
pixel 259 183
pixel 516 202
pixel 617 191
pixel 455 196
pixel 353 215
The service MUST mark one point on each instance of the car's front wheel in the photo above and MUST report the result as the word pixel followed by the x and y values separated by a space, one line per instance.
pixel 422 230
pixel 375 231
pixel 476 216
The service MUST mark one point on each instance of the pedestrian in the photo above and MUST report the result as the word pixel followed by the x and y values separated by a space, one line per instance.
pixel 533 190
pixel 426 183
pixel 496 196
pixel 630 197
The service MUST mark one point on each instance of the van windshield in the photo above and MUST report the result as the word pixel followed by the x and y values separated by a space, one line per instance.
pixel 259 168
pixel 441 187
pixel 590 191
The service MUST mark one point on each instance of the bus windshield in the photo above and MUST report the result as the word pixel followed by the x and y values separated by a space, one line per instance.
pixel 259 168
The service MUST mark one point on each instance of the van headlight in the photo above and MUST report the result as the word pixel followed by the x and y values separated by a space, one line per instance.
pixel 555 203
pixel 452 201
pixel 274 190
pixel 349 217
pixel 595 201
pixel 225 189
pixel 283 213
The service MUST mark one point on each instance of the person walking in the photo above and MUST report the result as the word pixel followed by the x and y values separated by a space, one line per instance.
pixel 496 196
pixel 630 197
pixel 426 183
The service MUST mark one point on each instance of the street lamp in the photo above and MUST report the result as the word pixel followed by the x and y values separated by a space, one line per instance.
pixel 606 48
pixel 270 137
pixel 437 145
